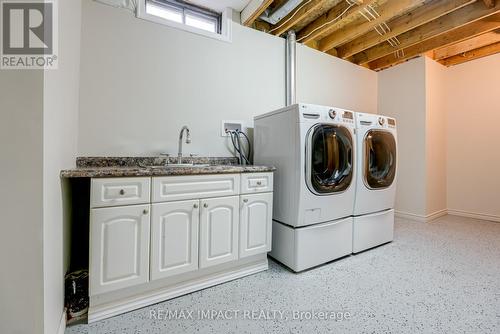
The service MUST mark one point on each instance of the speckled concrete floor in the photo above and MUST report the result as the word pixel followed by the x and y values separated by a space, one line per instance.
pixel 441 277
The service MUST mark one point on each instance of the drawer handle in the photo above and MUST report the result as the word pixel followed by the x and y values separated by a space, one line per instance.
pixel 259 183
pixel 195 206
pixel 205 205
pixel 122 192
pixel 145 211
pixel 245 200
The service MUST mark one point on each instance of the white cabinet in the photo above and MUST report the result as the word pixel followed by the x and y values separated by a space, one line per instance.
pixel 174 238
pixel 255 224
pixel 219 230
pixel 196 222
pixel 119 252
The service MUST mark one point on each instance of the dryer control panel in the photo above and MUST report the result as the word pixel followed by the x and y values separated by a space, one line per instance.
pixel 391 122
pixel 374 120
pixel 329 114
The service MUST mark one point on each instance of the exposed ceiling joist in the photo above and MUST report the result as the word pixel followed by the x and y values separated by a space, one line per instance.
pixel 359 27
pixel 253 10
pixel 380 33
pixel 335 18
pixel 467 45
pixel 472 54
pixel 400 25
pixel 296 16
pixel 489 3
pixel 454 36
pixel 442 25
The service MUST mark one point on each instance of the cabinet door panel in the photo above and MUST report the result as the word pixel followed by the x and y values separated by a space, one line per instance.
pixel 174 238
pixel 219 230
pixel 255 224
pixel 119 247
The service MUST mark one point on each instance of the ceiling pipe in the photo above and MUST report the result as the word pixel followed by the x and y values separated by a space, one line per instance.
pixel 280 12
pixel 291 67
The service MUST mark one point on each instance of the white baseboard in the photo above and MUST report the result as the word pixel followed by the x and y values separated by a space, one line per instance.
pixel 474 215
pixel 421 218
pixel 62 323
pixel 436 215
pixel 444 212
pixel 130 304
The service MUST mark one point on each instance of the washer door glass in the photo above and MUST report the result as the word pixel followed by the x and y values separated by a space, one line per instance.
pixel 380 159
pixel 330 159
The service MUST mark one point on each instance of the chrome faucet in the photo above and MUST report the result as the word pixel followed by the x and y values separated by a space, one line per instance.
pixel 188 140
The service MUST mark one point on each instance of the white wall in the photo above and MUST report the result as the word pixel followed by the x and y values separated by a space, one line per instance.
pixel 60 127
pixel 140 82
pixel 473 161
pixel 435 136
pixel 401 94
pixel 21 140
pixel 447 129
pixel 326 80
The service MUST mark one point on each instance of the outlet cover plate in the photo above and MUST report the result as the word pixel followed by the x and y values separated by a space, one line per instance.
pixel 230 125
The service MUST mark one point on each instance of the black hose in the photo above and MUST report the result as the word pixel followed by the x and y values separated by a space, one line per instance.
pixel 235 139
pixel 249 146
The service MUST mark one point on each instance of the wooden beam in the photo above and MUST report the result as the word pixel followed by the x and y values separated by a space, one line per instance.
pixel 489 3
pixel 361 26
pixel 471 55
pixel 467 45
pixel 314 14
pixel 446 23
pixel 457 35
pixel 295 17
pixel 253 10
pixel 326 23
pixel 400 25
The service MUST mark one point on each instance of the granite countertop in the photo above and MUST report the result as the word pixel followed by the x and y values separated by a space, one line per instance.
pixel 154 166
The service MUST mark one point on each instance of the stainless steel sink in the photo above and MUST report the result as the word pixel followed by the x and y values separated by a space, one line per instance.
pixel 177 166
pixel 185 165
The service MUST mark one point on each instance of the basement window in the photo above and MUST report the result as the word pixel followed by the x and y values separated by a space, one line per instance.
pixel 186 16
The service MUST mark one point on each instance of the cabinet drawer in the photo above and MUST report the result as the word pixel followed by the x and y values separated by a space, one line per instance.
pixel 174 188
pixel 256 183
pixel 120 191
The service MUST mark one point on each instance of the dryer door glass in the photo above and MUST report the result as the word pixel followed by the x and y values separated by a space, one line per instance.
pixel 330 159
pixel 379 159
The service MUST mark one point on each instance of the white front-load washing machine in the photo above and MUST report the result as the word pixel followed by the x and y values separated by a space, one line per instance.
pixel 373 222
pixel 313 148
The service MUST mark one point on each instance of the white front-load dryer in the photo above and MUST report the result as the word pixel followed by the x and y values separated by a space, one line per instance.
pixel 373 212
pixel 313 148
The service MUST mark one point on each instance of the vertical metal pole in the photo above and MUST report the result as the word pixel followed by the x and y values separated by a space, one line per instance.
pixel 291 69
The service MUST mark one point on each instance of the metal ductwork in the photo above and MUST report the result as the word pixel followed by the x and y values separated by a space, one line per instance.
pixel 279 13
pixel 291 67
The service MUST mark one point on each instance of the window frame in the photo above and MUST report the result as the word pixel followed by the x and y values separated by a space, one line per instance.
pixel 224 22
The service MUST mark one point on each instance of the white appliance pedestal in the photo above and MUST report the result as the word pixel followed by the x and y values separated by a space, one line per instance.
pixel 309 246
pixel 372 230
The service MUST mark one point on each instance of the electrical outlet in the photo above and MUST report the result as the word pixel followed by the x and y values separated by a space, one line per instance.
pixel 230 126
